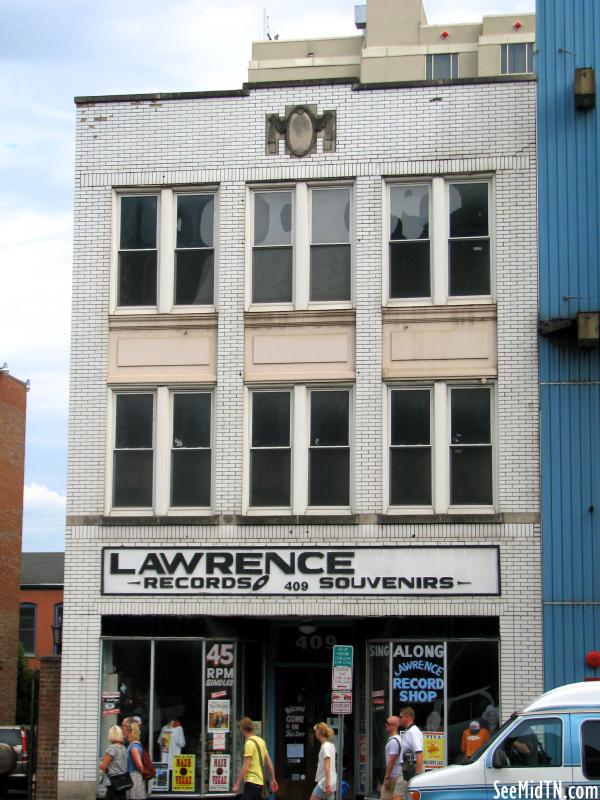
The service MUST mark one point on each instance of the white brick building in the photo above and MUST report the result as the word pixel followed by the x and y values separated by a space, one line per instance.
pixel 315 378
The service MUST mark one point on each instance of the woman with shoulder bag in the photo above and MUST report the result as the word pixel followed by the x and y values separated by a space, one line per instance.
pixel 114 766
pixel 134 761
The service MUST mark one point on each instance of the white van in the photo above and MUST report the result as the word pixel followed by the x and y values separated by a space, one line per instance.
pixel 550 750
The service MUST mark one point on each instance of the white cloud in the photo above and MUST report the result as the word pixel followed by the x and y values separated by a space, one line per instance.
pixel 43 519
pixel 40 498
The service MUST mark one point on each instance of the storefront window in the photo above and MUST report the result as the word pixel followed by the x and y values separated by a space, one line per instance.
pixel 177 709
pixel 125 685
pixel 185 693
pixel 379 701
pixel 449 684
pixel 473 691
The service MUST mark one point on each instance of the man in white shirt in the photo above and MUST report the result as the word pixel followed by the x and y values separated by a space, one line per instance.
pixel 393 763
pixel 412 749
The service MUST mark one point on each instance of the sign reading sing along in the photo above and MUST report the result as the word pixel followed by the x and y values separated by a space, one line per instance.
pixel 380 571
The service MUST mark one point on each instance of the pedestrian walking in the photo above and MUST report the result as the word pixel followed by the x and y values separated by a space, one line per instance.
pixel 326 778
pixel 252 780
pixel 114 764
pixel 131 731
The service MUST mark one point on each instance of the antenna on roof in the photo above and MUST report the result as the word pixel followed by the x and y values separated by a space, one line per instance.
pixel 266 31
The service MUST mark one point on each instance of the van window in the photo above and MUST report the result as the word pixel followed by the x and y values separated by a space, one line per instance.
pixel 590 738
pixel 535 743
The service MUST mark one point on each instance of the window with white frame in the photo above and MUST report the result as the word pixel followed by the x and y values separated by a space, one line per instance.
pixel 441 66
pixel 329 450
pixel 439 240
pixel 166 254
pixel 162 450
pixel 440 447
pixel 137 281
pixel 133 455
pixel 191 449
pixel 516 58
pixel 299 440
pixel 301 246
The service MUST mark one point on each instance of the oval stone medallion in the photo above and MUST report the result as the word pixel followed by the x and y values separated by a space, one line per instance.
pixel 300 132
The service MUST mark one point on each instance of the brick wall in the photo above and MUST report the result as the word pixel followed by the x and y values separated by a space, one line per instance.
pixel 458 130
pixel 48 722
pixel 12 460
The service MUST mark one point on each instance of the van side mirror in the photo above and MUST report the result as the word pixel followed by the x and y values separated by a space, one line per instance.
pixel 500 759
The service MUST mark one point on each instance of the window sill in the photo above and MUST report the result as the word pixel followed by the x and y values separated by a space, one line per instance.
pixel 265 517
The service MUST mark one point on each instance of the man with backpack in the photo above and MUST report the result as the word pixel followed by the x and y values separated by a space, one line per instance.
pixel 393 763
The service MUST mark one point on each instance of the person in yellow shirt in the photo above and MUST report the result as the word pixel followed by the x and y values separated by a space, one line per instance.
pixel 253 775
pixel 473 737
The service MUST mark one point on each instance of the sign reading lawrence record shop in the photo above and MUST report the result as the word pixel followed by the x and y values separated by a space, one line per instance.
pixel 374 571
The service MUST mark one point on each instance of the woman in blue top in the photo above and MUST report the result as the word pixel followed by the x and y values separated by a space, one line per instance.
pixel 131 731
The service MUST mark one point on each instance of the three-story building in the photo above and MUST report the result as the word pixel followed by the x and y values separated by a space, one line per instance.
pixel 304 404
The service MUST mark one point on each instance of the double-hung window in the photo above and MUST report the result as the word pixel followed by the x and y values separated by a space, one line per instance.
pixel 440 447
pixel 137 282
pixel 441 66
pixel 301 246
pixel 133 455
pixel 516 58
pixel 27 625
pixel 299 441
pixel 166 250
pixel 162 450
pixel 271 449
pixel 439 241
pixel 329 451
pixel 191 449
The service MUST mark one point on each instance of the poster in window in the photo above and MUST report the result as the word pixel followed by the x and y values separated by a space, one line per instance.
pixel 418 677
pixel 433 749
pixel 160 782
pixel 218 777
pixel 184 773
pixel 218 716
pixel 111 703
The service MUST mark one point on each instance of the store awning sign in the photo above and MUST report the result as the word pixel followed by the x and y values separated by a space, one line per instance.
pixel 250 571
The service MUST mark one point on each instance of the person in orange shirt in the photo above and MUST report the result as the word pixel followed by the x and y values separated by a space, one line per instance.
pixel 473 737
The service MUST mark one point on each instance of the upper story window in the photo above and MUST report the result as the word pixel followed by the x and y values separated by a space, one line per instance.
pixel 191 449
pixel 440 448
pixel 194 253
pixel 439 241
pixel 166 250
pixel 301 246
pixel 299 449
pixel 27 620
pixel 133 455
pixel 162 450
pixel 516 58
pixel 441 66
pixel 58 621
pixel 138 253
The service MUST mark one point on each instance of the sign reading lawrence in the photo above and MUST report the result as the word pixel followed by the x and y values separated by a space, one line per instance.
pixel 379 571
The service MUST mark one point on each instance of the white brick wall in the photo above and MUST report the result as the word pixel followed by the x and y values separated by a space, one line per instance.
pixel 455 130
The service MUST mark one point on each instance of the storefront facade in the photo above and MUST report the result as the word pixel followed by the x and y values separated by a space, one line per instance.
pixel 303 413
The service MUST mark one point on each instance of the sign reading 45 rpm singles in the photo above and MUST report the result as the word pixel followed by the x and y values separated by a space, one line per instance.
pixel 284 571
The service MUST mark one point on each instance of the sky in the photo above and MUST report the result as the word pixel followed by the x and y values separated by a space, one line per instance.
pixel 50 52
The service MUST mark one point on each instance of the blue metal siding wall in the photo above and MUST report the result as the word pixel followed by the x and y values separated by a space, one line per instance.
pixel 568 36
pixel 569 159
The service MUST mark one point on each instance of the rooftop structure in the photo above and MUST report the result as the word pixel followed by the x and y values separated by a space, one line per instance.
pixel 398 45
